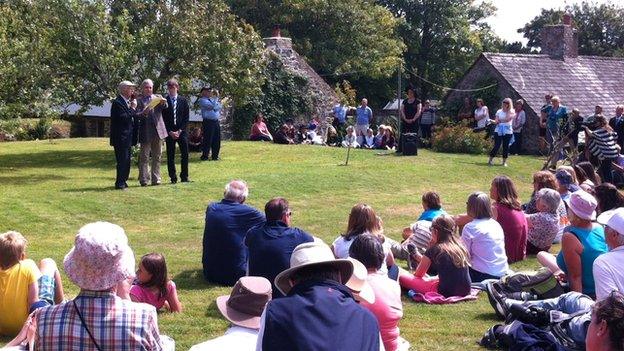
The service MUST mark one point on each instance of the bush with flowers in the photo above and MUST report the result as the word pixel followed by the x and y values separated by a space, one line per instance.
pixel 458 137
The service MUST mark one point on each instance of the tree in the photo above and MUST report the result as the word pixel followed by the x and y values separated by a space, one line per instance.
pixel 336 37
pixel 600 28
pixel 443 38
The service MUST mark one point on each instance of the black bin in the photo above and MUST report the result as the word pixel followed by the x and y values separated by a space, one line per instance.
pixel 410 144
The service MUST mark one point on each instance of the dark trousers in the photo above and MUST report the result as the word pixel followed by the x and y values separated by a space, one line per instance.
pixel 184 156
pixel 212 138
pixel 259 138
pixel 477 277
pixel 425 132
pixel 501 140
pixel 123 155
pixel 516 147
pixel 406 128
pixel 605 170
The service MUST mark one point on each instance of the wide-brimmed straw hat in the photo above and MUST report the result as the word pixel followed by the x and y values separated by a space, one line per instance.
pixel 244 305
pixel 358 284
pixel 100 258
pixel 308 255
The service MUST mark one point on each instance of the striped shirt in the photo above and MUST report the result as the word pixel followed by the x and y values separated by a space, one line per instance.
pixel 116 324
pixel 603 144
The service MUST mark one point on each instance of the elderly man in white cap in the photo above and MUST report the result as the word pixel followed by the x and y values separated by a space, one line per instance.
pixel 318 311
pixel 243 308
pixel 609 267
pixel 97 319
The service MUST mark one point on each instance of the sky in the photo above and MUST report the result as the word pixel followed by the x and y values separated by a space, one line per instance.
pixel 514 14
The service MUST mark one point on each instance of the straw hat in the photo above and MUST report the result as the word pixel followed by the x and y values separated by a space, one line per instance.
pixel 358 284
pixel 244 305
pixel 100 258
pixel 308 255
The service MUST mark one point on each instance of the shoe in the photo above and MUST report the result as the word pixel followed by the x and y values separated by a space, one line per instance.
pixel 532 315
pixel 143 184
pixel 186 180
pixel 504 163
pixel 491 338
pixel 173 181
pixel 121 187
pixel 215 159
pixel 497 300
pixel 204 158
pixel 490 162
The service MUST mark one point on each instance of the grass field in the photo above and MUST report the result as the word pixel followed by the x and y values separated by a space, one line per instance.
pixel 50 189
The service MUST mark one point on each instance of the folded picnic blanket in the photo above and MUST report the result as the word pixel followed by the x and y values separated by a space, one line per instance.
pixel 435 298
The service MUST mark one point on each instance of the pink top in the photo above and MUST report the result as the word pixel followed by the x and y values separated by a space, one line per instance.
pixel 145 295
pixel 258 128
pixel 387 308
pixel 515 228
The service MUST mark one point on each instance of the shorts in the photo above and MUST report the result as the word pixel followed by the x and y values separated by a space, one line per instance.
pixel 46 288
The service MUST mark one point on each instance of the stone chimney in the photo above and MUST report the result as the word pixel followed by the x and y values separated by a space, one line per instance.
pixel 560 41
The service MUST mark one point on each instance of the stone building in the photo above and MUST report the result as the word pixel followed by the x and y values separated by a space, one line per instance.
pixel 580 81
pixel 323 95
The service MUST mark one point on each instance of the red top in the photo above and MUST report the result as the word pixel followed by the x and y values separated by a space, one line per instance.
pixel 258 129
pixel 515 228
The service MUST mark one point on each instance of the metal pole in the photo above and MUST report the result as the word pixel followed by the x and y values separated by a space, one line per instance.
pixel 399 123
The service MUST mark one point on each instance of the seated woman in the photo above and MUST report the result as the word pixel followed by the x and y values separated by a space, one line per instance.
pixel 604 333
pixel 484 239
pixel 541 180
pixel 381 130
pixel 608 197
pixel 259 130
pixel 587 177
pixel 565 183
pixel 363 220
pixel 508 213
pixel 582 242
pixel 195 140
pixel 281 137
pixel 387 308
pixel 450 259
pixel 388 141
pixel 544 225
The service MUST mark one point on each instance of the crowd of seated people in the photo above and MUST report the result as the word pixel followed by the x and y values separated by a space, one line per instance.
pixel 279 270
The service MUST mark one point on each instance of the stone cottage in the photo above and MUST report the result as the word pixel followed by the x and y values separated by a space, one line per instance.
pixel 580 81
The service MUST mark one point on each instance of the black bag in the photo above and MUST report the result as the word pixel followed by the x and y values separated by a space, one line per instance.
pixel 410 144
pixel 541 283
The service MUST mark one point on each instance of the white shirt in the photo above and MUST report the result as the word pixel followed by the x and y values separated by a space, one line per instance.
pixel 519 121
pixel 341 250
pixel 485 242
pixel 235 338
pixel 609 272
pixel 479 112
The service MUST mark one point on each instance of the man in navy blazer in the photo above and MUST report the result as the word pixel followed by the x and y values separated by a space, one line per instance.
pixel 617 124
pixel 123 131
pixel 176 117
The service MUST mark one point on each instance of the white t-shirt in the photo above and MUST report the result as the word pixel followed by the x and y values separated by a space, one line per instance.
pixel 608 272
pixel 235 338
pixel 342 246
pixel 482 111
pixel 519 121
pixel 485 242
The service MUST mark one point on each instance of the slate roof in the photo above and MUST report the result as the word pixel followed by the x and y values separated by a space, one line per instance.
pixel 582 82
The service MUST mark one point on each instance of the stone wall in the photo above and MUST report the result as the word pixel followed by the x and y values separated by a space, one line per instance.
pixel 559 41
pixel 483 69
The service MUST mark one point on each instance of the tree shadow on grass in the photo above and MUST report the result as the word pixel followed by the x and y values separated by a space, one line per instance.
pixel 193 279
pixel 102 159
pixel 30 179
pixel 488 317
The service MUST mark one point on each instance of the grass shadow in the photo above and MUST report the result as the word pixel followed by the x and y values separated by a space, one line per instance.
pixel 100 159
pixel 30 179
pixel 193 279
pixel 212 311
pixel 488 317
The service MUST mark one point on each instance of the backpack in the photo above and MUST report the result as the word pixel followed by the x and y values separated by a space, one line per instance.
pixel 541 283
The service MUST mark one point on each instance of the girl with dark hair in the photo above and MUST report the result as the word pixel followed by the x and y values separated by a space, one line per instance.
pixel 604 333
pixel 508 213
pixel 152 286
pixel 587 177
pixel 608 197
pixel 450 259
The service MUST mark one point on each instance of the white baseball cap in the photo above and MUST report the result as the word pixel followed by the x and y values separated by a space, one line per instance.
pixel 613 219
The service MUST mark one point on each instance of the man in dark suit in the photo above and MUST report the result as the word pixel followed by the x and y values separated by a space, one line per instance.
pixel 617 124
pixel 176 117
pixel 123 131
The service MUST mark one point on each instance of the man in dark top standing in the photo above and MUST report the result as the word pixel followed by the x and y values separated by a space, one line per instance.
pixel 176 117
pixel 224 253
pixel 271 245
pixel 411 109
pixel 617 124
pixel 123 131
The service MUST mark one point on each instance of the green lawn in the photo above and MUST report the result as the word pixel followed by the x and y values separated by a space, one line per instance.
pixel 50 189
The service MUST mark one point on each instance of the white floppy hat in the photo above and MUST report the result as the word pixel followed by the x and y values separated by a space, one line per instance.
pixel 613 219
pixel 100 258
pixel 312 254
pixel 358 284
pixel 583 204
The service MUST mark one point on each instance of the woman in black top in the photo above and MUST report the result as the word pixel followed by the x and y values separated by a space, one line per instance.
pixel 411 109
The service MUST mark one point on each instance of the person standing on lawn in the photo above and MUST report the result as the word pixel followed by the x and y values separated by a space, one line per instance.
pixel 363 117
pixel 211 112
pixel 176 117
pixel 411 109
pixel 123 131
pixel 151 133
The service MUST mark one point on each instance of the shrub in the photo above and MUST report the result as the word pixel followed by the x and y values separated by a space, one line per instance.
pixel 458 138
pixel 33 128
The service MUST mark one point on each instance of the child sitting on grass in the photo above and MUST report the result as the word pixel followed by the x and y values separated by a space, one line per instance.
pixel 448 256
pixel 24 286
pixel 350 140
pixel 369 140
pixel 432 205
pixel 152 286
pixel 381 130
